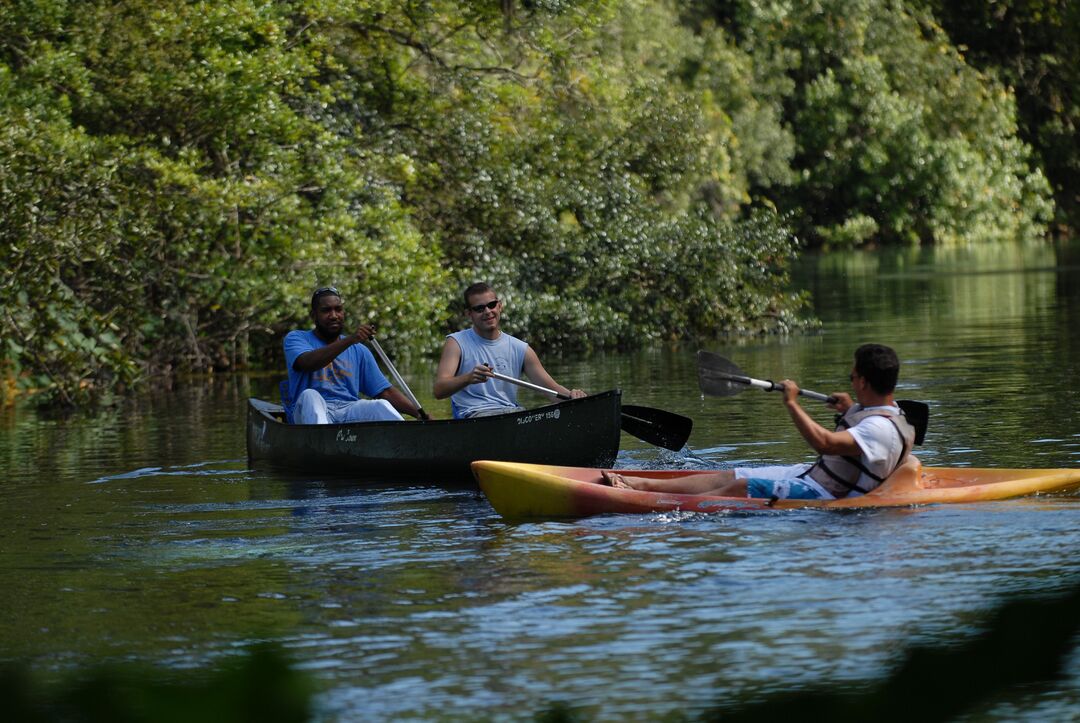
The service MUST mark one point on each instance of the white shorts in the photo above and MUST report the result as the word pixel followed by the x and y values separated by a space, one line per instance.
pixel 311 408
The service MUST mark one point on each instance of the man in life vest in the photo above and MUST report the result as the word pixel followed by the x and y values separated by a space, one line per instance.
pixel 871 440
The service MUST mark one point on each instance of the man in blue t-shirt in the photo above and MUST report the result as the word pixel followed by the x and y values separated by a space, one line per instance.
pixel 469 356
pixel 328 371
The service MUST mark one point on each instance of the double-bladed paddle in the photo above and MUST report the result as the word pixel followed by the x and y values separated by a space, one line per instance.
pixel 655 426
pixel 719 377
pixel 398 378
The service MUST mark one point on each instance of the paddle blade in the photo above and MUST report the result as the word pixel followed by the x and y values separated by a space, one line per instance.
pixel 719 377
pixel 657 426
pixel 918 416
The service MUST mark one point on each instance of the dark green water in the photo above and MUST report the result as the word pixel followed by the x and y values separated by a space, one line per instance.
pixel 141 536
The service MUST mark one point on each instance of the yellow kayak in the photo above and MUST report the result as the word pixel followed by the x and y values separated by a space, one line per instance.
pixel 522 491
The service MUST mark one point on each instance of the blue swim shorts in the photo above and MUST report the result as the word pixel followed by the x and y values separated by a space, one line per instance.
pixel 785 489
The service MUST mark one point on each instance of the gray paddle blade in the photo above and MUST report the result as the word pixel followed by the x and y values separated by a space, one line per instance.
pixel 719 377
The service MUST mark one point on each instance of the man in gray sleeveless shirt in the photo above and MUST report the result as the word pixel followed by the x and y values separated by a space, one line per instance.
pixel 871 440
pixel 469 357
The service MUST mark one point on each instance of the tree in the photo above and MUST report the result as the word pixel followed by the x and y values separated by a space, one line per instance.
pixel 1034 48
pixel 898 139
pixel 179 175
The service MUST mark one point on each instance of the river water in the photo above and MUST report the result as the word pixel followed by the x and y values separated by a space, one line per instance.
pixel 141 536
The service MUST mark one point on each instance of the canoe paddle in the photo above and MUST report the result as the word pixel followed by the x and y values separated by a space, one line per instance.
pixel 719 377
pixel 655 426
pixel 398 378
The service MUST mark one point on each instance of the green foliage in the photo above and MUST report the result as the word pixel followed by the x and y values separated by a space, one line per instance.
pixel 259 686
pixel 1034 48
pixel 175 177
pixel 601 202
pixel 173 192
pixel 57 196
pixel 898 139
pixel 1025 645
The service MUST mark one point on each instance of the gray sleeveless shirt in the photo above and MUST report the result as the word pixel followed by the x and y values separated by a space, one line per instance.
pixel 506 355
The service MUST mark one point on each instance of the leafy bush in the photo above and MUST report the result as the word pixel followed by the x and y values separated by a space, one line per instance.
pixel 1034 48
pixel 892 127
pixel 175 177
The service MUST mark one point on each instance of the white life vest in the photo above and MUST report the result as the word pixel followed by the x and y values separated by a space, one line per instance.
pixel 841 476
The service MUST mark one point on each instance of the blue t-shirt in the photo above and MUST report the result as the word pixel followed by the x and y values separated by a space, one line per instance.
pixel 506 355
pixel 353 372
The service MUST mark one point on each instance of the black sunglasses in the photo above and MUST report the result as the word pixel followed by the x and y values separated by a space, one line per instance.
pixel 324 291
pixel 480 307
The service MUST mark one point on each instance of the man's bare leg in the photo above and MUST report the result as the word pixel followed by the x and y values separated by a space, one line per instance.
pixel 721 483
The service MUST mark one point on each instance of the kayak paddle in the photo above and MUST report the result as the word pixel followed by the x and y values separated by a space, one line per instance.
pixel 398 378
pixel 655 426
pixel 719 377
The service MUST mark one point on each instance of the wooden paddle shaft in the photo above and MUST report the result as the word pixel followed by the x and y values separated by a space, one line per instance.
pixel 397 377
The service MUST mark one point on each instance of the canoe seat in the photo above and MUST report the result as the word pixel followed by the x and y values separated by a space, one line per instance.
pixel 908 475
